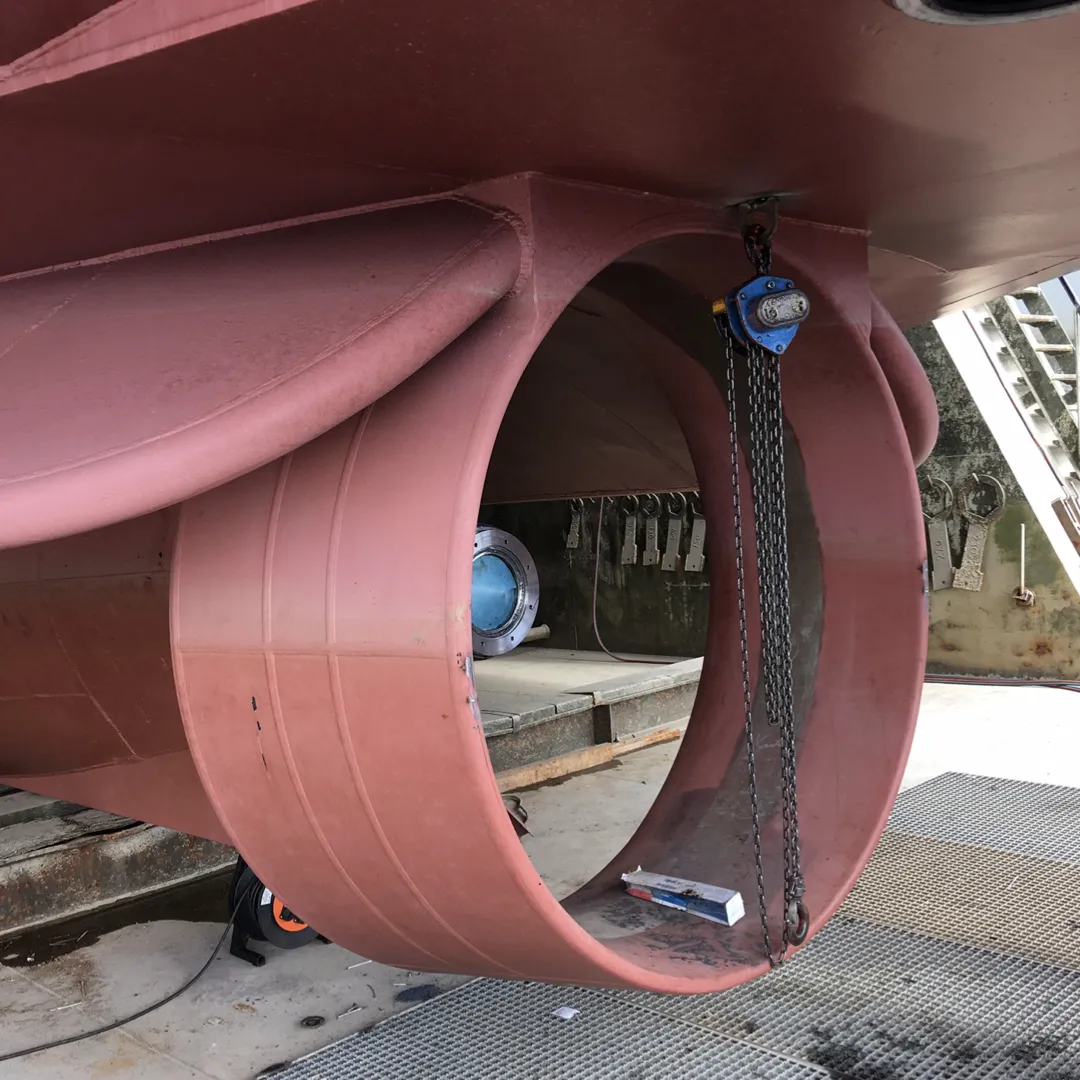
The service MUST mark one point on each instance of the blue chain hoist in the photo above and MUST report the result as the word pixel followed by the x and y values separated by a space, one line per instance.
pixel 758 322
pixel 766 310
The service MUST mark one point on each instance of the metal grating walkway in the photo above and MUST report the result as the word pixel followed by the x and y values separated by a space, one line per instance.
pixel 900 986
pixel 1003 815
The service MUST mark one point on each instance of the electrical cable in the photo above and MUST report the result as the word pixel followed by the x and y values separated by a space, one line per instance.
pixel 127 1019
pixel 595 590
pixel 1002 680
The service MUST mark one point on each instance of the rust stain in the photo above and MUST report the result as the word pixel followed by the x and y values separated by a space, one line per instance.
pixel 1042 648
pixel 244 1007
pixel 117 1062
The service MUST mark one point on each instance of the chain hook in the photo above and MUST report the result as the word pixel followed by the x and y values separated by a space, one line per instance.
pixel 798 922
pixel 758 235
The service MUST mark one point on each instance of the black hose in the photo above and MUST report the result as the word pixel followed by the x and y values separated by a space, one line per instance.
pixel 127 1019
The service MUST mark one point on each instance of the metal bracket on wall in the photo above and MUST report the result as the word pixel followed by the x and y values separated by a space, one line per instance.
pixel 937 536
pixel 695 556
pixel 630 506
pixel 573 536
pixel 650 510
pixel 970 574
pixel 676 507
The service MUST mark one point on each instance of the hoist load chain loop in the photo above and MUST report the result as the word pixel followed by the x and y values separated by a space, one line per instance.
pixel 798 924
pixel 765 436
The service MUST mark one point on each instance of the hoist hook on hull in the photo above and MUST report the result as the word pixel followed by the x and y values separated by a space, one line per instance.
pixel 765 311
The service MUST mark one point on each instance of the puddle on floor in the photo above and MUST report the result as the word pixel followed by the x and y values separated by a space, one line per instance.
pixel 204 900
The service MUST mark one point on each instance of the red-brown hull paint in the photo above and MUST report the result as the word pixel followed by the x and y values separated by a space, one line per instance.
pixel 275 270
pixel 956 149
pixel 144 379
pixel 320 683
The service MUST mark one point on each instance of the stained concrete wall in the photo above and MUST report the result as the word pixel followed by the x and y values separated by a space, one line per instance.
pixel 641 609
pixel 986 632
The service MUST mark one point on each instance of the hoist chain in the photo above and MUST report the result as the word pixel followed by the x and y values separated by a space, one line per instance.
pixel 764 408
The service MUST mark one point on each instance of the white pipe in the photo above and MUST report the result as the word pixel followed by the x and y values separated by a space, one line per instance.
pixel 1023 558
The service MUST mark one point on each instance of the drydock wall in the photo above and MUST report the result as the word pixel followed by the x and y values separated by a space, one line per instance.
pixel 640 609
pixel 986 632
pixel 645 609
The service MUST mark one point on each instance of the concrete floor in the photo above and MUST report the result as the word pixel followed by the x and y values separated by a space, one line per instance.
pixel 1016 733
pixel 239 1020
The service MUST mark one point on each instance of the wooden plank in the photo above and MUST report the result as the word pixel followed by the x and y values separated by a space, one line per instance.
pixel 590 757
